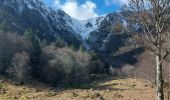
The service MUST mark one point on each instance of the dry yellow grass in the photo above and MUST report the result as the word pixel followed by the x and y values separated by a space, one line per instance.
pixel 119 89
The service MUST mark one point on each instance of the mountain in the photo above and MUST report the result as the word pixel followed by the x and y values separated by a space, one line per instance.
pixel 99 34
pixel 48 23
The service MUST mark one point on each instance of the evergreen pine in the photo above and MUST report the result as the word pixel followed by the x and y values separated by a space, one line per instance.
pixel 35 53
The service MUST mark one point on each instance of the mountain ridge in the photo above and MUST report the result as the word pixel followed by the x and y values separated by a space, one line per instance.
pixel 95 34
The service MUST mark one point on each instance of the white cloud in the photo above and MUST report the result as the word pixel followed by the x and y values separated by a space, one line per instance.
pixel 121 1
pixel 118 2
pixel 57 4
pixel 76 10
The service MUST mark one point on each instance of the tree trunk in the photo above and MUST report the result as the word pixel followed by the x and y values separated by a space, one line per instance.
pixel 159 81
pixel 169 82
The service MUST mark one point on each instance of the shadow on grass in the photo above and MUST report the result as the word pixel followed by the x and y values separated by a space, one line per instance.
pixel 104 83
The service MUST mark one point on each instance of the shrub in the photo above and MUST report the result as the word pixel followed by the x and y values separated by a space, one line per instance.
pixel 10 44
pixel 97 67
pixel 128 71
pixel 125 71
pixel 19 66
pixel 115 71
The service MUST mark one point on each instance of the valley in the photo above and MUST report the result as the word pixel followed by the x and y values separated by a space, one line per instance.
pixel 48 53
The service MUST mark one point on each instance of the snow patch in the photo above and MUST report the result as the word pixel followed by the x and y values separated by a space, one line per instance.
pixel 80 26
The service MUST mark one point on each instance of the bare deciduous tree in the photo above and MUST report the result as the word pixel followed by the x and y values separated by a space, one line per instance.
pixel 19 67
pixel 64 65
pixel 10 44
pixel 150 19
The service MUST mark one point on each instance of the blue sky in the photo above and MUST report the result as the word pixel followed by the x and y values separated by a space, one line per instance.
pixel 84 9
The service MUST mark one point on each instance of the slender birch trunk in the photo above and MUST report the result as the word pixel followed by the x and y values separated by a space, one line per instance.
pixel 159 81
pixel 169 82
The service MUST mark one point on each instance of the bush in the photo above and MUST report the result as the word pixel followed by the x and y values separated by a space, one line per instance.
pixel 97 67
pixel 128 71
pixel 10 44
pixel 20 66
pixel 115 71
pixel 125 71
pixel 64 65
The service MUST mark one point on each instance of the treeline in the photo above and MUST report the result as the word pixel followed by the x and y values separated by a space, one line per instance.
pixel 57 63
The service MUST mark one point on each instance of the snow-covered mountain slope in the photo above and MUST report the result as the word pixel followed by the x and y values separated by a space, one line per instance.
pixel 85 27
pixel 50 24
